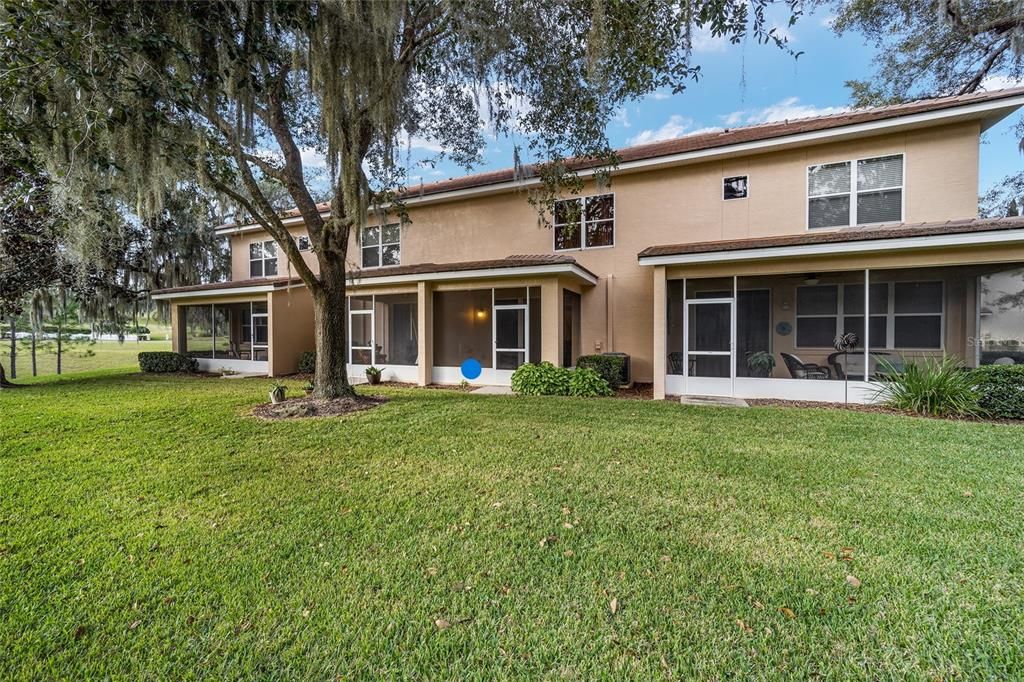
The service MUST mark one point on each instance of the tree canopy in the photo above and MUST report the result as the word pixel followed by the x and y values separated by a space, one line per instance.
pixel 129 98
pixel 940 47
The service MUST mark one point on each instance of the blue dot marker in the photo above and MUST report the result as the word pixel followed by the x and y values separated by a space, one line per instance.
pixel 471 368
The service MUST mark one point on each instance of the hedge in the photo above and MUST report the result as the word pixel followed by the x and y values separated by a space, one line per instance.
pixel 610 367
pixel 1001 390
pixel 165 362
pixel 546 379
pixel 307 362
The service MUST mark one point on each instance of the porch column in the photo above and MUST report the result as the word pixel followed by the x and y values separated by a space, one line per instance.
pixel 175 329
pixel 660 331
pixel 551 322
pixel 425 337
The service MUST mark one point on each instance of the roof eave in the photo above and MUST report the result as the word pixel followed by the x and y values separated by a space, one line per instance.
pixel 989 112
pixel 965 239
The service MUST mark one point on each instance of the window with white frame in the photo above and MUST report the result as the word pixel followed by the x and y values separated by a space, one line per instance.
pixel 839 197
pixel 903 315
pixel 302 242
pixel 262 259
pixel 585 223
pixel 381 246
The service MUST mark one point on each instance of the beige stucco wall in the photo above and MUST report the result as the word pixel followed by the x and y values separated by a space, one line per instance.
pixel 681 204
pixel 291 329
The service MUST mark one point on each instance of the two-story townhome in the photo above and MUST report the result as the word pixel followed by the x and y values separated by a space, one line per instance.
pixel 723 264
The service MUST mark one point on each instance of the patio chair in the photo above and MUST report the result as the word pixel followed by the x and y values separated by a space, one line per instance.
pixel 804 370
pixel 675 362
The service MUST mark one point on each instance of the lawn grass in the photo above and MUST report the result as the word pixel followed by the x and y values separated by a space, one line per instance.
pixel 79 356
pixel 148 529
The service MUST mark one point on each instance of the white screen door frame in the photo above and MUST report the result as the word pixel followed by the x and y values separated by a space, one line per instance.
pixel 708 385
pixel 514 309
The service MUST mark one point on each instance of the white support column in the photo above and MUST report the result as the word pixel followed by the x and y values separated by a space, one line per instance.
pixel 867 323
pixel 660 331
pixel 425 335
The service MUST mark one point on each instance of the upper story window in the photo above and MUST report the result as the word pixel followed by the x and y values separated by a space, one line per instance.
pixel 585 223
pixel 381 246
pixel 262 259
pixel 836 197
pixel 302 242
pixel 734 187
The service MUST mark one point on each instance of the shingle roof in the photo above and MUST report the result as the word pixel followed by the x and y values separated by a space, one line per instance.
pixel 712 140
pixel 846 234
pixel 518 261
pixel 276 282
pixel 731 136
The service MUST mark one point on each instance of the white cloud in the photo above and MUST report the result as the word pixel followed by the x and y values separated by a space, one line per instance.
pixel 621 117
pixel 417 142
pixel 786 109
pixel 1000 82
pixel 311 158
pixel 783 32
pixel 660 95
pixel 704 41
pixel 828 21
pixel 675 126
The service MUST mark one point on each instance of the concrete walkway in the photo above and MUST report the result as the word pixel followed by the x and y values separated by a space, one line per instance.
pixel 712 400
pixel 493 390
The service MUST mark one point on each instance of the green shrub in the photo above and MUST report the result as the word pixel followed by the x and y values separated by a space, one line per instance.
pixel 610 367
pixel 307 362
pixel 586 383
pixel 1001 390
pixel 542 379
pixel 165 362
pixel 940 388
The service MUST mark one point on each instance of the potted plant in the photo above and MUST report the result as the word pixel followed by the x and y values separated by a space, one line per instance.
pixel 276 393
pixel 309 388
pixel 761 363
pixel 373 375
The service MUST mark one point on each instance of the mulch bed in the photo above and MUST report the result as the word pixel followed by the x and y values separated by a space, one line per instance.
pixel 637 391
pixel 304 408
pixel 877 409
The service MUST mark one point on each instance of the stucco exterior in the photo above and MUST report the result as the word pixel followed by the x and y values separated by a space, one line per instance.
pixel 663 205
pixel 675 205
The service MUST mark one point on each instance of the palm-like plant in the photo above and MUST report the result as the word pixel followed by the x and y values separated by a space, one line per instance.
pixel 940 388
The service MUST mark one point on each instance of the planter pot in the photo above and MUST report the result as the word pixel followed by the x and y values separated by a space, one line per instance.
pixel 373 379
pixel 309 391
pixel 277 395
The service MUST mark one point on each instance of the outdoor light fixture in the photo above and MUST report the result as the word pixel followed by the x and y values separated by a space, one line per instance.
pixel 481 314
pixel 811 279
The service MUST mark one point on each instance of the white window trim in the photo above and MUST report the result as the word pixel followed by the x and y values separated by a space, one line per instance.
pixel 583 225
pixel 380 247
pixel 853 193
pixel 263 258
pixel 890 314
pixel 298 243
pixel 726 177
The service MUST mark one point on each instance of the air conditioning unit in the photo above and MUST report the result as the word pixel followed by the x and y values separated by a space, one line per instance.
pixel 627 373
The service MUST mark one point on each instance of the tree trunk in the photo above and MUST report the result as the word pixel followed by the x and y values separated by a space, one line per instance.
pixel 34 354
pixel 60 349
pixel 330 327
pixel 14 351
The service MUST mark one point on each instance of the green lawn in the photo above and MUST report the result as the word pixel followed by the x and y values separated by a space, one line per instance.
pixel 78 356
pixel 148 529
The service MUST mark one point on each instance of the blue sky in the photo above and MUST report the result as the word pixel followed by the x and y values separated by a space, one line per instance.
pixel 750 83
